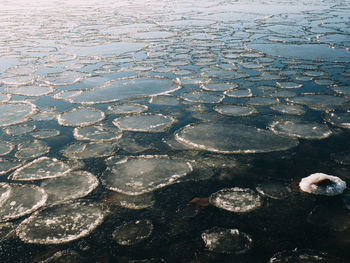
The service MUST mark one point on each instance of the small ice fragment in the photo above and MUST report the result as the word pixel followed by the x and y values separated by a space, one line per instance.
pixel 331 185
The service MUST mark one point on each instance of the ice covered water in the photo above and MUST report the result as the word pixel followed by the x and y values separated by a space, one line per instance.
pixel 145 123
pixel 21 200
pixel 194 96
pixel 238 200
pixel 61 223
pixel 222 240
pixel 135 176
pixel 228 138
pixel 71 186
pixel 82 116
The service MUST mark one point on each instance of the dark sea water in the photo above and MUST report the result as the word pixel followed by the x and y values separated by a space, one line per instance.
pixel 173 131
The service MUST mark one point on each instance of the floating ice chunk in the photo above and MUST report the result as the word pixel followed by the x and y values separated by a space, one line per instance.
pixel 6 147
pixel 322 184
pixel 127 108
pixel 81 116
pixel 90 150
pixel 235 110
pixel 232 138
pixel 219 86
pixel 61 223
pixel 238 200
pixel 133 232
pixel 31 153
pixel 7 165
pixel 145 123
pixel 324 82
pixel 288 85
pixel 166 100
pixel 122 89
pixel 22 200
pixel 21 70
pixel 239 93
pixel 318 102
pixel 289 109
pixel 283 94
pixel 202 97
pixel 143 174
pixel 16 80
pixel 262 101
pixel 302 130
pixel 31 91
pixel 20 129
pixel 5 191
pixel 71 186
pixel 15 112
pixel 44 116
pixel 64 78
pixel 45 134
pixel 340 118
pixel 135 202
pixel 41 168
pixel 228 241
pixel 304 255
pixel 97 133
pixel 4 97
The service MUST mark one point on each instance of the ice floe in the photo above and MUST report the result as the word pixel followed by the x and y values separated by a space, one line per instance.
pixel 322 184
pixel 81 116
pixel 15 112
pixel 145 123
pixel 133 232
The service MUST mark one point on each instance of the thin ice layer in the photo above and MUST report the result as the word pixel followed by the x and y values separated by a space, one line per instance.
pixel 81 116
pixel 41 168
pixel 228 241
pixel 22 200
pixel 143 174
pixel 61 223
pixel 133 232
pixel 238 200
pixel 232 138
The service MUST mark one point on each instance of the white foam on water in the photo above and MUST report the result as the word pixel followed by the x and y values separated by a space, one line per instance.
pixel 309 184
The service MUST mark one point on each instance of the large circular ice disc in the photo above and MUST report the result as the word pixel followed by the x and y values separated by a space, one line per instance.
pixel 15 112
pixel 22 200
pixel 41 168
pixel 239 200
pixel 135 176
pixel 97 133
pixel 74 185
pixel 222 240
pixel 145 123
pixel 303 130
pixel 81 116
pixel 61 223
pixel 232 138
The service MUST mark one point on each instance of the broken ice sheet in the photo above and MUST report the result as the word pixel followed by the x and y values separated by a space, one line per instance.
pixel 7 165
pixel 22 200
pixel 89 150
pixel 126 108
pixel 228 241
pixel 238 200
pixel 15 112
pixel 202 97
pixel 19 129
pixel 222 137
pixel 145 123
pixel 45 133
pixel 235 110
pixel 41 168
pixel 133 232
pixel 302 130
pixel 97 133
pixel 71 186
pixel 143 174
pixel 30 91
pixel 61 223
pixel 81 116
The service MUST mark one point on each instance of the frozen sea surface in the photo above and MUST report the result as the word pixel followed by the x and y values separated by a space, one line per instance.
pixel 173 131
